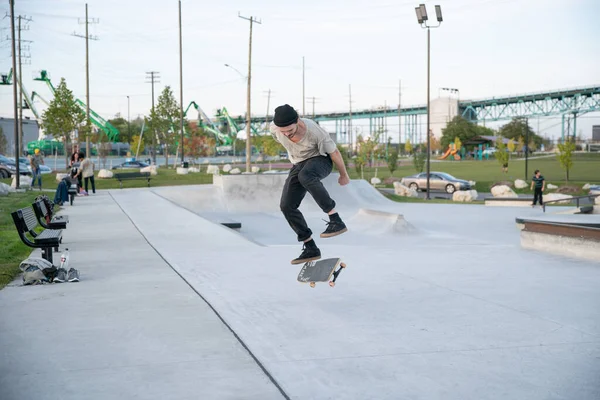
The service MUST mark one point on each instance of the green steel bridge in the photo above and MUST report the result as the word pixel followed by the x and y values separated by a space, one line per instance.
pixel 568 104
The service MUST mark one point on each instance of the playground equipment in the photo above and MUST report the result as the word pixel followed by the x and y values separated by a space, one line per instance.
pixel 451 152
pixel 111 132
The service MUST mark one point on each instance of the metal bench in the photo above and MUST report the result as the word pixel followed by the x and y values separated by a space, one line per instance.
pixel 121 176
pixel 45 218
pixel 48 239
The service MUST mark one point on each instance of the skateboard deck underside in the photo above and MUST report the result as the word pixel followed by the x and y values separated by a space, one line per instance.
pixel 318 271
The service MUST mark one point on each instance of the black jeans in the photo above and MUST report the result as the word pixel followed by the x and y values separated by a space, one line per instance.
pixel 537 194
pixel 91 178
pixel 305 177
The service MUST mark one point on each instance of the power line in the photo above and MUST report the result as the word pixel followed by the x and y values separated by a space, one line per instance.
pixel 154 76
pixel 87 37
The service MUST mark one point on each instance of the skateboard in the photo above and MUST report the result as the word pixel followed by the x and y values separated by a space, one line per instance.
pixel 321 271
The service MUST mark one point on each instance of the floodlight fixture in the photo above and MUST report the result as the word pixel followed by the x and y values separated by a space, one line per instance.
pixel 423 12
pixel 419 17
pixel 438 13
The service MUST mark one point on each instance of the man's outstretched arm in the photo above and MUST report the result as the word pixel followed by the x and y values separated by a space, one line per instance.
pixel 337 159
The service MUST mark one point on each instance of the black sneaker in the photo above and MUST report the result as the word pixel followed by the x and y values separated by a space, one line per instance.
pixel 334 228
pixel 73 275
pixel 308 254
pixel 61 276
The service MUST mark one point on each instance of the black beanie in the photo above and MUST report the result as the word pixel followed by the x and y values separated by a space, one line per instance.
pixel 285 115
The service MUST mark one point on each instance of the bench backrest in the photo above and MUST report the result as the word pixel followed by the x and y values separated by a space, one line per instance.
pixel 131 174
pixel 25 219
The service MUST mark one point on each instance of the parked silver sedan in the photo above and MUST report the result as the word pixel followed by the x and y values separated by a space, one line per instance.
pixel 437 181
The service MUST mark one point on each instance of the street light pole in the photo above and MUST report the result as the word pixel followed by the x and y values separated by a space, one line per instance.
pixel 422 19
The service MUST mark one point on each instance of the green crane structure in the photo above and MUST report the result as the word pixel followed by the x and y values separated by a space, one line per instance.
pixel 111 132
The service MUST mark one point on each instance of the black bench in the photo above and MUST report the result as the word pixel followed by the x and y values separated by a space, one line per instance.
pixel 48 239
pixel 121 176
pixel 45 218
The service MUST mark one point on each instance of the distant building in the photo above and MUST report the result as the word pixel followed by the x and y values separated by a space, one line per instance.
pixel 31 131
pixel 596 133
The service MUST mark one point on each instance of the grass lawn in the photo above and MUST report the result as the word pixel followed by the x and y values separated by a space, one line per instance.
pixel 12 249
pixel 586 169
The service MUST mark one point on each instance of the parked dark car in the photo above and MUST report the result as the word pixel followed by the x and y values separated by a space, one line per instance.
pixel 131 165
pixel 437 181
pixel 8 168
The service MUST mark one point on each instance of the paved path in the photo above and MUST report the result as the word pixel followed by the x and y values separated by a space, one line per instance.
pixel 438 302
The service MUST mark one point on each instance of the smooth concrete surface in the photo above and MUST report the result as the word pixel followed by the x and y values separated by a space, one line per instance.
pixel 437 302
pixel 130 329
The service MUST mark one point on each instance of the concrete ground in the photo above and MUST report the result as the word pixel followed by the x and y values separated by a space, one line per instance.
pixel 437 302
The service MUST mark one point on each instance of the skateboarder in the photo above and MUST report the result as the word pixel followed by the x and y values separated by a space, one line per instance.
pixel 312 153
pixel 540 185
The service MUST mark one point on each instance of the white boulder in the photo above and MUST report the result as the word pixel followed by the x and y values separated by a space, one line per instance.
pixel 227 168
pixel 235 171
pixel 472 183
pixel 557 196
pixel 586 186
pixel 24 181
pixel 212 169
pixel 503 191
pixel 464 196
pixel 103 174
pixel 255 169
pixel 597 201
pixel 194 169
pixel 520 184
pixel 551 186
pixel 4 189
pixel 182 171
pixel 401 190
pixel 375 181
pixel 153 169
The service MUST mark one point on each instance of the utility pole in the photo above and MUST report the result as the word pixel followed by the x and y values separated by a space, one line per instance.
pixel 526 147
pixel 180 83
pixel 87 37
pixel 303 96
pixel 313 101
pixel 350 120
pixel 153 79
pixel 16 79
pixel 399 111
pixel 20 28
pixel 248 98
pixel 267 114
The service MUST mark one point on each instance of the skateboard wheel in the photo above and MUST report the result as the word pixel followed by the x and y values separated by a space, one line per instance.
pixel 312 284
pixel 332 283
pixel 343 265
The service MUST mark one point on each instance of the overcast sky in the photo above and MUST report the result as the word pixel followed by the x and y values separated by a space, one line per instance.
pixel 485 48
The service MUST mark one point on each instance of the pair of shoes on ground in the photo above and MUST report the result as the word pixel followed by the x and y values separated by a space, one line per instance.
pixel 312 252
pixel 63 276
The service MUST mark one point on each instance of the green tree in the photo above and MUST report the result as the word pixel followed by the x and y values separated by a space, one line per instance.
pixel 121 125
pixel 458 128
pixel 519 127
pixel 62 116
pixel 565 155
pixel 501 154
pixel 419 158
pixel 344 152
pixel 165 120
pixel 408 147
pixel 392 160
pixel 511 145
pixel 135 142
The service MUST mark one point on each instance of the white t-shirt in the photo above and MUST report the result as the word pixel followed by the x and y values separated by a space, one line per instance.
pixel 315 142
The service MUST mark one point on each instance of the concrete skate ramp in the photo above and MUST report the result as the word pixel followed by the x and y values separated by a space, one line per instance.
pixel 262 193
pixel 376 222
